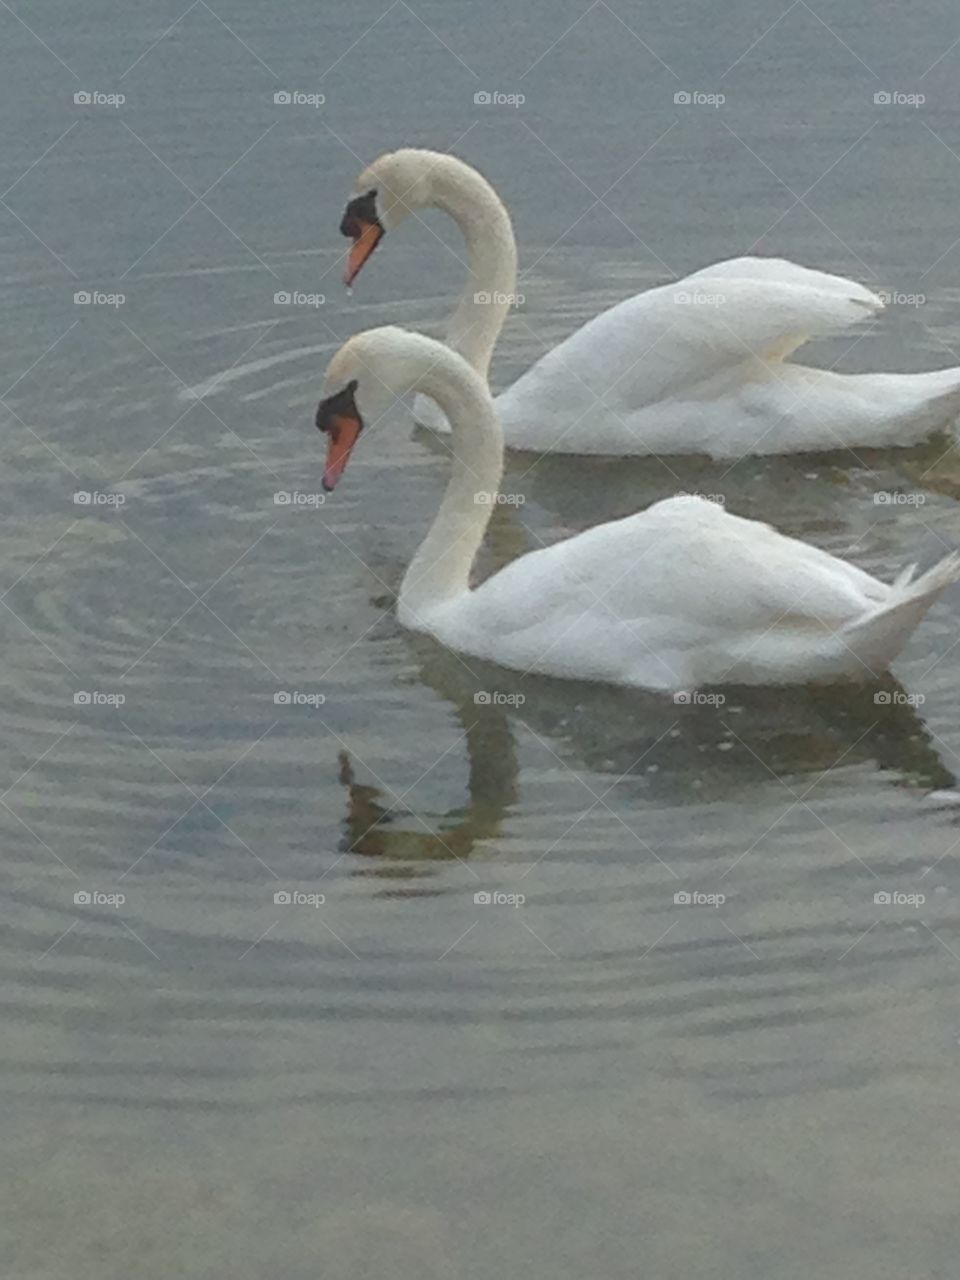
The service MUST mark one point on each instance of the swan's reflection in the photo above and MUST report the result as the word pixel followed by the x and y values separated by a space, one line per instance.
pixel 377 828
pixel 666 752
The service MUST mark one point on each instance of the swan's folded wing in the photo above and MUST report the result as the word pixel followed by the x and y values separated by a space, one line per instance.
pixel 671 340
pixel 682 567
pixel 783 271
pixel 793 303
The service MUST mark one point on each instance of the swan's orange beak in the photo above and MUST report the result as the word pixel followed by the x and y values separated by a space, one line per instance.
pixel 338 418
pixel 364 244
pixel 343 433
pixel 361 224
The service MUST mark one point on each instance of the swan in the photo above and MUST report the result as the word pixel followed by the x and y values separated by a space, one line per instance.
pixel 697 366
pixel 680 595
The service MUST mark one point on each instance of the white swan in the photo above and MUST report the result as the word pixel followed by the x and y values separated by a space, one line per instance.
pixel 697 366
pixel 678 596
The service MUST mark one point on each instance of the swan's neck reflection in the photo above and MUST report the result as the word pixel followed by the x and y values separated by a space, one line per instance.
pixel 373 829
pixel 662 752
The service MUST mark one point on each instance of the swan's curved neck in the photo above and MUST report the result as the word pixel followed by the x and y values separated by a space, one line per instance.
pixel 492 258
pixel 439 572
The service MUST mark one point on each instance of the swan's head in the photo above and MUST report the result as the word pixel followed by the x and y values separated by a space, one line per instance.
pixel 366 376
pixel 393 187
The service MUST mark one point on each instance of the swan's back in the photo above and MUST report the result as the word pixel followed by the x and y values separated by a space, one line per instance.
pixel 668 341
pixel 684 559
pixel 783 271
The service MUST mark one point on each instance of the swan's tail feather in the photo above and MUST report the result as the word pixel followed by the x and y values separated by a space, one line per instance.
pixel 887 408
pixel 926 401
pixel 936 579
pixel 878 637
pixel 904 577
pixel 943 390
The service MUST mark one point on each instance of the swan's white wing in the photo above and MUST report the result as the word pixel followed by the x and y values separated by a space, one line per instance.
pixel 784 271
pixel 684 559
pixel 669 341
pixel 834 302
pixel 663 597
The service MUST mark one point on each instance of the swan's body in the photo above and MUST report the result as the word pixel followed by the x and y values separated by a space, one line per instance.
pixel 680 595
pixel 698 366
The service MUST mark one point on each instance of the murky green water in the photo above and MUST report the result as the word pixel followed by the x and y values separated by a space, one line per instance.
pixel 589 1077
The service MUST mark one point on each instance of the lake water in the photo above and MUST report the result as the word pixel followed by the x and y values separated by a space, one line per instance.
pixel 583 1076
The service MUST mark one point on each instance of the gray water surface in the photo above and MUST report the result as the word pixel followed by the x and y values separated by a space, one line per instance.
pixel 599 1081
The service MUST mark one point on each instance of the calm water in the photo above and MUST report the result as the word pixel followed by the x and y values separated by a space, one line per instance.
pixel 199 1081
